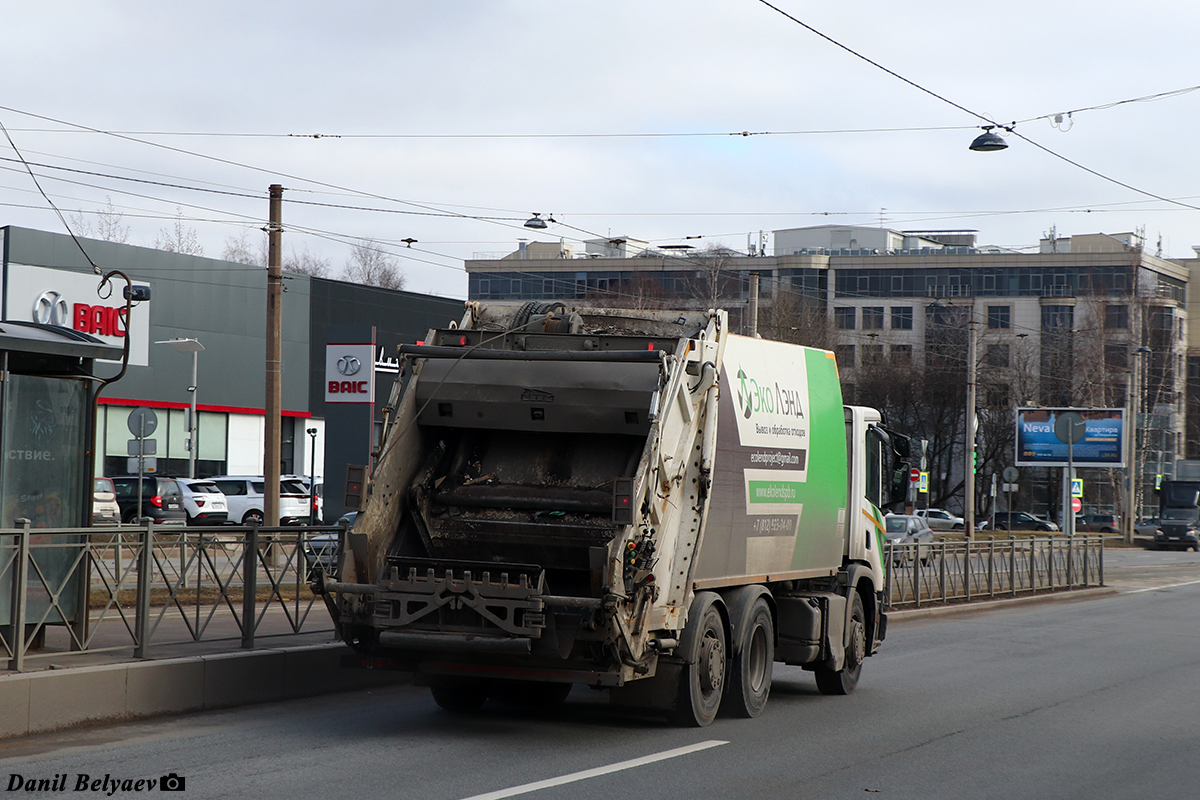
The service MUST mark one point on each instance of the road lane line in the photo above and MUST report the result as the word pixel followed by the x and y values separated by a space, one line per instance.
pixel 598 771
pixel 1156 588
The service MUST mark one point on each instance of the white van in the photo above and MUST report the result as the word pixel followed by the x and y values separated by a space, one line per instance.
pixel 244 496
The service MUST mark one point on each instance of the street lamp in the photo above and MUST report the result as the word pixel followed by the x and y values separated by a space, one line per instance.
pixel 194 347
pixel 312 476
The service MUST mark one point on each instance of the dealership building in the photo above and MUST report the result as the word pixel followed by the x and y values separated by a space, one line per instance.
pixel 47 279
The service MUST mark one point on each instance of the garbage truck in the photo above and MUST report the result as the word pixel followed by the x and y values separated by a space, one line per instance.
pixel 639 501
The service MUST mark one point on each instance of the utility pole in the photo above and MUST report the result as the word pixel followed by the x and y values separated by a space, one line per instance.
pixel 274 401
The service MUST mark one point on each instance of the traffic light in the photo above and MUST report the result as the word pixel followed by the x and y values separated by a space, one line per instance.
pixel 974 462
pixel 356 476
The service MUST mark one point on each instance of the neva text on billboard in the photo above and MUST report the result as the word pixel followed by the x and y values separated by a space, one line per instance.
pixel 350 373
pixel 1102 445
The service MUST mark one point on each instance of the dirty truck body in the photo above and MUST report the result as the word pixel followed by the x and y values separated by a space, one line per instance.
pixel 633 500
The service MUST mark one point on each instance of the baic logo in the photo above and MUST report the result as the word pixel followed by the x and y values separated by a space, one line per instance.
pixel 348 365
pixel 50 309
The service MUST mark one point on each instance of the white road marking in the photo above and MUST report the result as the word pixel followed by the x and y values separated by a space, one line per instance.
pixel 593 773
pixel 1164 586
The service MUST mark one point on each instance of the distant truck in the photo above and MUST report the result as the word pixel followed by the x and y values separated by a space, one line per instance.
pixel 638 501
pixel 1178 515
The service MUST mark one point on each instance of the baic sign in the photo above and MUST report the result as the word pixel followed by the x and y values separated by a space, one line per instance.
pixel 71 300
pixel 350 373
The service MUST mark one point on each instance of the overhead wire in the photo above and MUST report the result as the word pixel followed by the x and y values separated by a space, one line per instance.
pixel 991 123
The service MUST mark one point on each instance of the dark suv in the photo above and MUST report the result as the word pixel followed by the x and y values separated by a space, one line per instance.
pixel 161 499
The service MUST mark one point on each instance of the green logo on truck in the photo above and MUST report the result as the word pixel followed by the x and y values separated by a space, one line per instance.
pixel 762 398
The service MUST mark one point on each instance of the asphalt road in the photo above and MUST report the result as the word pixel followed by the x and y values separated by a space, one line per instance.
pixel 1089 699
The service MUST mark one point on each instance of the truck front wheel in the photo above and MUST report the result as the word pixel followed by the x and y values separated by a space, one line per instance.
pixel 702 681
pixel 844 680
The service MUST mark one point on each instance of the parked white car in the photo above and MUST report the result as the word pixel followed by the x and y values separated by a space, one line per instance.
pixel 244 496
pixel 203 502
pixel 105 510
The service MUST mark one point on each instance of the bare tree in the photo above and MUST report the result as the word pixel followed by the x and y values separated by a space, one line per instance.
pixel 108 227
pixel 240 250
pixel 179 238
pixel 370 265
pixel 308 263
pixel 791 316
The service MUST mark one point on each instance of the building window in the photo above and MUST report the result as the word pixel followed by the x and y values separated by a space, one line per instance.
pixel 998 355
pixel 1116 356
pixel 872 318
pixel 844 318
pixel 998 396
pixel 999 316
pixel 872 354
pixel 845 355
pixel 902 354
pixel 1116 317
pixel 902 318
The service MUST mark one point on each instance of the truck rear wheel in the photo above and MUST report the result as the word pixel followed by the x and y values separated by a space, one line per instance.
pixel 702 681
pixel 461 699
pixel 844 680
pixel 535 694
pixel 753 660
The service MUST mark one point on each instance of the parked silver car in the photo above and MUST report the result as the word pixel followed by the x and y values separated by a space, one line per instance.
pixel 905 529
pixel 940 520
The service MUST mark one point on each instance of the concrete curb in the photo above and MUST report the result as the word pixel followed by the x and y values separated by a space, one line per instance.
pixel 40 702
pixel 992 605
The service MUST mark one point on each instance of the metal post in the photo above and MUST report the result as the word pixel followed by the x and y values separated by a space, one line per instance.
pixel 19 596
pixel 312 476
pixel 249 586
pixel 192 427
pixel 752 326
pixel 274 366
pixel 141 459
pixel 142 613
pixel 1012 563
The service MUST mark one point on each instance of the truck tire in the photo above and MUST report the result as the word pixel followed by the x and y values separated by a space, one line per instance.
pixel 844 680
pixel 533 694
pixel 460 699
pixel 702 681
pixel 752 664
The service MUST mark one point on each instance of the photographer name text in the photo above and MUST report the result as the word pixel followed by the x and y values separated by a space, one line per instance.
pixel 83 782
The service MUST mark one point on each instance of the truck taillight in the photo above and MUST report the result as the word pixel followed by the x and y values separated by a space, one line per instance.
pixel 156 501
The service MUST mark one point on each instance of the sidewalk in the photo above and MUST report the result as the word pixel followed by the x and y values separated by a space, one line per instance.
pixel 61 690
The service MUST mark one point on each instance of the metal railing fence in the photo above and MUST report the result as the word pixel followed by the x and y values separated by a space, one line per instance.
pixel 95 590
pixel 961 571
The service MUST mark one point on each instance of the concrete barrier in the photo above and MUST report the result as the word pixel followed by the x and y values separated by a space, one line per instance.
pixel 54 699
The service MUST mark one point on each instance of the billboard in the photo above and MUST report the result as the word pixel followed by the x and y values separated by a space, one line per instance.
pixel 1101 443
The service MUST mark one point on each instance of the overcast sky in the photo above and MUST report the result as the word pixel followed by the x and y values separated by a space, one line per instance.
pixel 501 108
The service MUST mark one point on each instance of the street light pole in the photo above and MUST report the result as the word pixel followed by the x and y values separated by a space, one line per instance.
pixel 312 476
pixel 194 347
